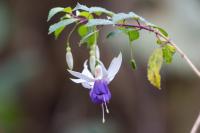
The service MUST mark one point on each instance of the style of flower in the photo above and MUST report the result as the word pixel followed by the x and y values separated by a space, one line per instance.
pixel 98 82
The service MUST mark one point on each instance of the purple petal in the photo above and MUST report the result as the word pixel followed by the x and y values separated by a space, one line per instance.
pixel 100 92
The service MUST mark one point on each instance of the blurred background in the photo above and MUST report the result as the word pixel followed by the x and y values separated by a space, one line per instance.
pixel 36 95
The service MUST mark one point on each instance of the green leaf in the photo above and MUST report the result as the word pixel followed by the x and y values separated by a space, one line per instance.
pixel 133 64
pixel 87 35
pixel 60 24
pixel 160 42
pixel 168 52
pixel 83 30
pixel 58 32
pixel 154 65
pixel 54 11
pixel 68 10
pixel 96 10
pixel 95 22
pixel 161 30
pixel 113 33
pixel 100 10
pixel 133 35
pixel 86 15
pixel 90 36
pixel 81 7
pixel 122 16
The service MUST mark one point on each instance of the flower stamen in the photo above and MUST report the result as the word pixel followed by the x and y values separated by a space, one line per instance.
pixel 107 110
pixel 103 115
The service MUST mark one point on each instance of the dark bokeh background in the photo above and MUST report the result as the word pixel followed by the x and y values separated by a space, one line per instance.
pixel 36 95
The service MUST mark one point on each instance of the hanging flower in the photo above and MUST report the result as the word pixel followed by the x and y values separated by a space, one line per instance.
pixel 98 82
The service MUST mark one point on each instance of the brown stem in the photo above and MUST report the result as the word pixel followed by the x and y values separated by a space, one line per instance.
pixel 158 34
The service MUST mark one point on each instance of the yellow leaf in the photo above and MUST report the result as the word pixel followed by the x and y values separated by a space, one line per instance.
pixel 154 65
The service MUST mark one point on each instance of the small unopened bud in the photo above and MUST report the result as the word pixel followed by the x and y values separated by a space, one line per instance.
pixel 92 63
pixel 69 58
pixel 97 52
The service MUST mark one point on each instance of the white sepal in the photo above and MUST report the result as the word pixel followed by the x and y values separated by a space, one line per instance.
pixel 86 71
pixel 78 81
pixel 84 83
pixel 92 63
pixel 114 67
pixel 81 76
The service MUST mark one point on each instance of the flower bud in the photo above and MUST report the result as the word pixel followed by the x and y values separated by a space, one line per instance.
pixel 97 52
pixel 69 58
pixel 92 61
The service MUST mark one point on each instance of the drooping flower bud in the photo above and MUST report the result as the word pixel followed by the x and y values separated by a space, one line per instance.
pixel 92 61
pixel 97 52
pixel 69 58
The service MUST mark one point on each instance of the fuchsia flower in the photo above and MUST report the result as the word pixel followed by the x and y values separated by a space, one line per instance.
pixel 98 82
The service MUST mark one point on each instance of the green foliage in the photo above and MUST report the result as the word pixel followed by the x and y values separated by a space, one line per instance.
pixel 86 15
pixel 161 30
pixel 54 11
pixel 122 16
pixel 68 10
pixel 81 7
pixel 58 32
pixel 95 22
pixel 88 35
pixel 83 30
pixel 60 24
pixel 168 52
pixel 96 10
pixel 133 35
pixel 100 10
pixel 160 42
pixel 90 19
pixel 154 65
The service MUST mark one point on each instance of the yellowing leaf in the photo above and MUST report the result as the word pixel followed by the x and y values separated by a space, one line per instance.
pixel 154 66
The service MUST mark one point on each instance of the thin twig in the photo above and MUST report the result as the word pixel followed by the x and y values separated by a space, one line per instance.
pixel 70 33
pixel 157 33
pixel 183 55
pixel 196 125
